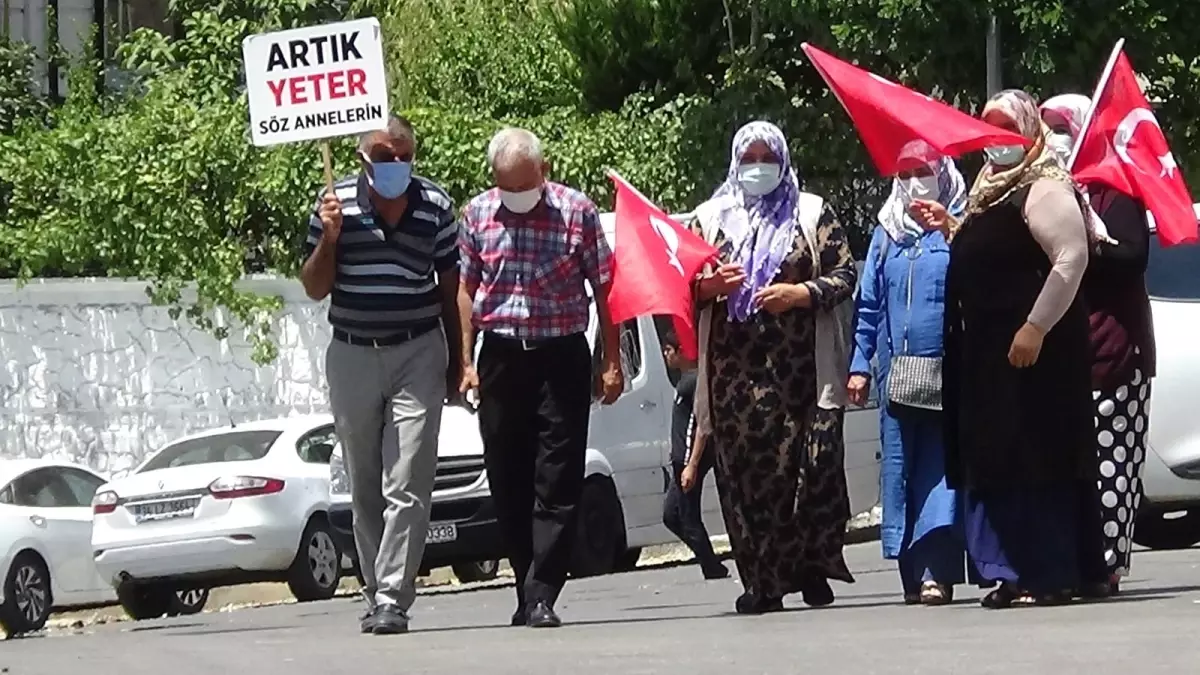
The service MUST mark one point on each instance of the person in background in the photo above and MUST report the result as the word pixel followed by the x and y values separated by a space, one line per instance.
pixel 1123 350
pixel 1016 385
pixel 771 385
pixel 900 311
pixel 682 511
pixel 383 247
pixel 528 245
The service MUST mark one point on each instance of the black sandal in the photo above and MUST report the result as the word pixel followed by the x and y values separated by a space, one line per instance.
pixel 934 594
pixel 1001 598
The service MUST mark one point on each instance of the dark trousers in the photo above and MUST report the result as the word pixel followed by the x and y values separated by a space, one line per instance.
pixel 534 402
pixel 683 514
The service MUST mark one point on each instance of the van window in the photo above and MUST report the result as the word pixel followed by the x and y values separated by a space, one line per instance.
pixel 631 351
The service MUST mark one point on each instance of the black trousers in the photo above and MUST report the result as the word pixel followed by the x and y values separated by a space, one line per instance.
pixel 683 514
pixel 534 402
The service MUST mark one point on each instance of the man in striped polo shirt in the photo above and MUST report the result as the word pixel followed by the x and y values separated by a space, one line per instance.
pixel 384 248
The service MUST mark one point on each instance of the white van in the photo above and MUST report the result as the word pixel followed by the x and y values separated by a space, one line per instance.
pixel 628 470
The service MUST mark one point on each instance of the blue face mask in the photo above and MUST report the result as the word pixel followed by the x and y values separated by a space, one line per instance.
pixel 390 179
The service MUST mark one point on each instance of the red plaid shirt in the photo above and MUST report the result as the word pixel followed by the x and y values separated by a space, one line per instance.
pixel 530 269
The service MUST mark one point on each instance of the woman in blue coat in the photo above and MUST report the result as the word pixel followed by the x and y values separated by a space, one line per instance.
pixel 900 306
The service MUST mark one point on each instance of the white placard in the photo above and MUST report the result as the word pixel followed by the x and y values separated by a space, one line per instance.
pixel 316 82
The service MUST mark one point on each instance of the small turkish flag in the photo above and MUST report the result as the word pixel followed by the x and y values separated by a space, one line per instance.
pixel 655 260
pixel 1124 147
pixel 889 116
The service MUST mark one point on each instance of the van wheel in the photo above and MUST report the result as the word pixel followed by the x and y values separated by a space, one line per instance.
pixel 188 601
pixel 600 530
pixel 1154 531
pixel 27 595
pixel 484 570
pixel 317 569
pixel 145 601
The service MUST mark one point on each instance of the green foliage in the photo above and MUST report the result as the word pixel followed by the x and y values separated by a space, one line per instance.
pixel 495 58
pixel 625 47
pixel 19 95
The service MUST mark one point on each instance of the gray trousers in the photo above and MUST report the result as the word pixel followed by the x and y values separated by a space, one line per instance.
pixel 387 409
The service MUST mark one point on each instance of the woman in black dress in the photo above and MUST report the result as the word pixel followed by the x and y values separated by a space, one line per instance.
pixel 1017 392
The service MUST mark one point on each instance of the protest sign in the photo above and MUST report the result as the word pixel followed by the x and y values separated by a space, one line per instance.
pixel 314 83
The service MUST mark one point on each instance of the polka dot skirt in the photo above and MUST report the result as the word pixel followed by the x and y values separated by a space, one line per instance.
pixel 1122 416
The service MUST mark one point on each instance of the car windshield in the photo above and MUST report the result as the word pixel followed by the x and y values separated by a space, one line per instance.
pixel 237 446
pixel 1173 272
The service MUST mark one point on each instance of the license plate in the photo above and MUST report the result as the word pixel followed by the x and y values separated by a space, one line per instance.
pixel 441 533
pixel 164 510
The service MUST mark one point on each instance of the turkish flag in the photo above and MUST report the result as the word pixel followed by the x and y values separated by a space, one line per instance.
pixel 655 260
pixel 1124 147
pixel 889 116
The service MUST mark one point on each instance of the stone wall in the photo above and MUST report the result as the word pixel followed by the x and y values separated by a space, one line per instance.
pixel 95 373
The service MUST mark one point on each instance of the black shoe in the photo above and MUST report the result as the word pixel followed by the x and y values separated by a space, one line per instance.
pixel 542 616
pixel 752 603
pixel 389 620
pixel 716 571
pixel 520 617
pixel 366 622
pixel 817 593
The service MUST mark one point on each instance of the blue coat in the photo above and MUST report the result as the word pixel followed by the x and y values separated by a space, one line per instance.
pixel 913 488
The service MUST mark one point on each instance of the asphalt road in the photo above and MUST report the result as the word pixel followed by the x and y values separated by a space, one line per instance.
pixel 664 620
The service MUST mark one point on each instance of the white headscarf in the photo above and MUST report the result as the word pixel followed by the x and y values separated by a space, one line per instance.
pixel 894 217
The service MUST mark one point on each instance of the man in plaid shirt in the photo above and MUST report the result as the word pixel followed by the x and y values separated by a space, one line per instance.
pixel 527 246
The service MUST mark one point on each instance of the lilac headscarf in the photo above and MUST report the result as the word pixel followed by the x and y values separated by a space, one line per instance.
pixel 761 231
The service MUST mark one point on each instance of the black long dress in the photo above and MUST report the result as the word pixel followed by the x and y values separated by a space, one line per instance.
pixel 1019 441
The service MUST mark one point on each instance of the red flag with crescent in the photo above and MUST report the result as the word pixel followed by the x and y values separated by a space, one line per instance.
pixel 655 260
pixel 1125 148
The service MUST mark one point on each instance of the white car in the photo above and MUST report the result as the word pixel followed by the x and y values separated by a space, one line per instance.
pixel 238 504
pixel 45 542
pixel 1169 516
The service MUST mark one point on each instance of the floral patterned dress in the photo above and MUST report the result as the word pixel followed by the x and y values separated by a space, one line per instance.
pixel 779 458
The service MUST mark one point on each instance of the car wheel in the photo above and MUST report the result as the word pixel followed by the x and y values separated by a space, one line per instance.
pixel 188 601
pixel 317 569
pixel 27 595
pixel 600 530
pixel 484 570
pixel 1154 531
pixel 145 601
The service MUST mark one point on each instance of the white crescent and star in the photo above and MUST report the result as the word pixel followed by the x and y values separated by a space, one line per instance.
pixel 1124 135
pixel 671 238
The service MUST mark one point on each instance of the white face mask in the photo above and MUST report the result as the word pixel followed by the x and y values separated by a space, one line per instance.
pixel 1061 144
pixel 759 178
pixel 1005 155
pixel 521 202
pixel 919 187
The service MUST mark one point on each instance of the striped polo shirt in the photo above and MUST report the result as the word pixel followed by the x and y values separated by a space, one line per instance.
pixel 386 280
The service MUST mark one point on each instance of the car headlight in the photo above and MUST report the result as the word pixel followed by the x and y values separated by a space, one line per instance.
pixel 339 480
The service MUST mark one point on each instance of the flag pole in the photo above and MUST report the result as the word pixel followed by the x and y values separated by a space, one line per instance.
pixel 1103 84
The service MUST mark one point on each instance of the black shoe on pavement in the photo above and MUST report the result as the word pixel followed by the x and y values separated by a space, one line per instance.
pixel 520 617
pixel 716 571
pixel 366 622
pixel 542 616
pixel 389 620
